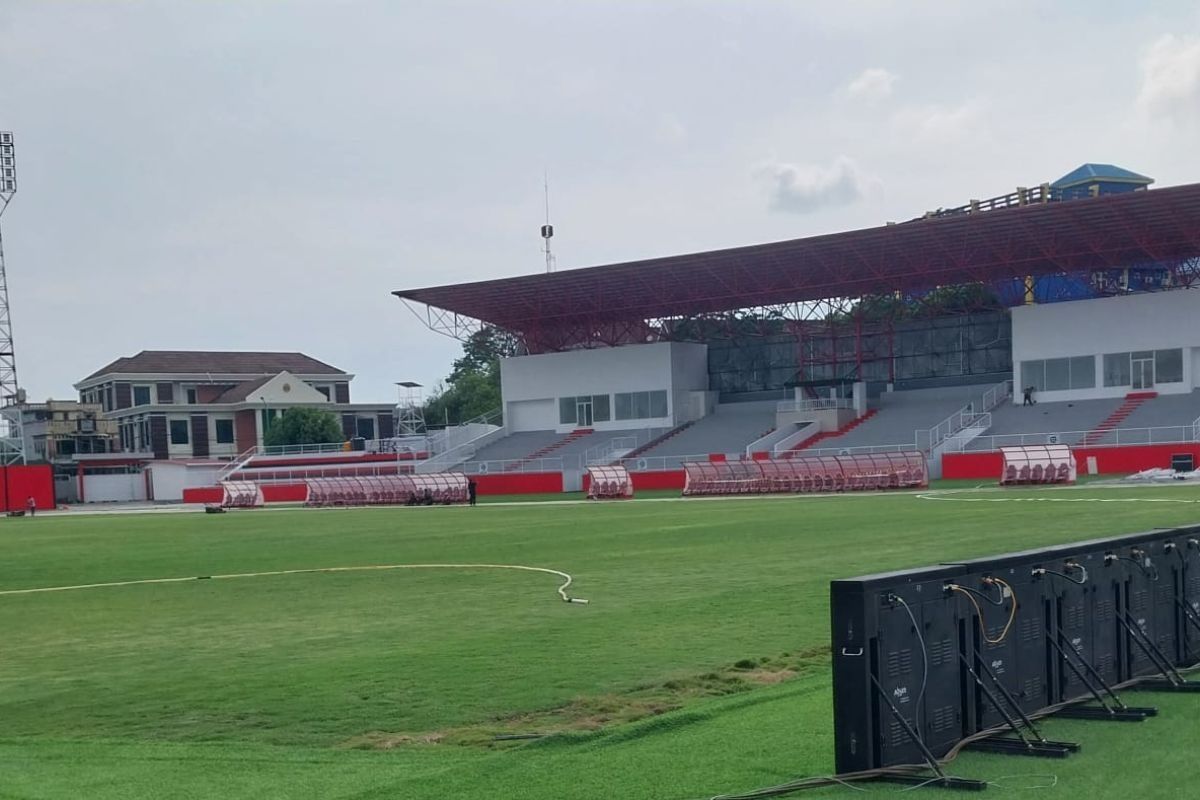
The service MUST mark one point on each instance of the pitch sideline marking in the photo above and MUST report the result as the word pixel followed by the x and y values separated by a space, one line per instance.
pixel 562 589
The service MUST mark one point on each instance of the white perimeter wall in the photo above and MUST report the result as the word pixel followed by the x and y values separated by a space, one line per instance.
pixel 531 385
pixel 114 488
pixel 168 480
pixel 1157 321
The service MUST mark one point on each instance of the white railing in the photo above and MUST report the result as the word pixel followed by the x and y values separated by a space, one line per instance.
pixel 823 404
pixel 455 455
pixel 236 464
pixel 455 435
pixel 969 416
pixel 802 434
pixel 1196 429
pixel 850 451
pixel 510 465
pixel 1115 437
pixel 604 453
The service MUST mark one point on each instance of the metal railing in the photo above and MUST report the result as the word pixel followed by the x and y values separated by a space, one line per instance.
pixel 823 404
pixel 969 416
pixel 450 437
pixel 511 465
pixel 1114 437
pixel 460 453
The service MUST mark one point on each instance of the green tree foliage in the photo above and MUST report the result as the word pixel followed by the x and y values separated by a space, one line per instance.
pixel 473 387
pixel 303 426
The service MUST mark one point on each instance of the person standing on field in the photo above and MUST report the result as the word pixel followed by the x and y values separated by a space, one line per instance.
pixel 471 491
pixel 31 505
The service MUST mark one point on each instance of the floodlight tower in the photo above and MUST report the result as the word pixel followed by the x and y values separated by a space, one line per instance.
pixel 12 443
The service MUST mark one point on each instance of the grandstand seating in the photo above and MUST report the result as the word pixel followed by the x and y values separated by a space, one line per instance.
pixel 1165 410
pixel 1098 434
pixel 815 441
pixel 1067 419
pixel 552 449
pixel 901 414
pixel 728 429
pixel 655 442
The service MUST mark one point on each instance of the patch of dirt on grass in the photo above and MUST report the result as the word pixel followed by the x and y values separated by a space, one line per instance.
pixel 597 712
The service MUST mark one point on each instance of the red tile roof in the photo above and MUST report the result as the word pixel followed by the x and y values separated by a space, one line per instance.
pixel 201 362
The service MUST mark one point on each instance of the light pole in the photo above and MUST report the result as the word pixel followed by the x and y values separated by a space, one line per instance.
pixel 10 393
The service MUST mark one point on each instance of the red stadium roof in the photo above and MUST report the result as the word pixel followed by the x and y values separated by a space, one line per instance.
pixel 1154 226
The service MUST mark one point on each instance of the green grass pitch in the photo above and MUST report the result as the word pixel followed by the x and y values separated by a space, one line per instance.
pixel 700 666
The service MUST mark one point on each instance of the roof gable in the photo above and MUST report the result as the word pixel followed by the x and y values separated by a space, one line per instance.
pixel 201 362
pixel 1101 173
pixel 282 389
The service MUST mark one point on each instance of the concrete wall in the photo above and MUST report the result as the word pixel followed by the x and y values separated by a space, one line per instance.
pixel 531 385
pixel 168 480
pixel 1158 321
pixel 114 488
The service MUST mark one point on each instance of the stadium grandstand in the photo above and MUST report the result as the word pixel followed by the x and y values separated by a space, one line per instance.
pixel 904 337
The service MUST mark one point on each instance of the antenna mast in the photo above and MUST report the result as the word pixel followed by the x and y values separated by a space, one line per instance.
pixel 12 442
pixel 547 229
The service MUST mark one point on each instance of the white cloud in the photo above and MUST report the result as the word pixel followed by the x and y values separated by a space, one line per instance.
pixel 939 124
pixel 872 84
pixel 1171 78
pixel 803 188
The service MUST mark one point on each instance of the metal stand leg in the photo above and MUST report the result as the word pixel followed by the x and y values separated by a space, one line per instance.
pixel 1171 681
pixel 1021 746
pixel 939 778
pixel 1122 713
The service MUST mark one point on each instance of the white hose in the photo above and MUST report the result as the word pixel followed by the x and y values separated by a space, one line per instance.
pixel 562 589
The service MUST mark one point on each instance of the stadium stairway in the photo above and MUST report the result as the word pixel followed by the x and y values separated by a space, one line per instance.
pixel 1114 420
pixel 678 429
pixel 570 438
pixel 823 435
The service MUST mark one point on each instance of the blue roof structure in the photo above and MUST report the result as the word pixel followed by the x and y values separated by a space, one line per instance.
pixel 1100 173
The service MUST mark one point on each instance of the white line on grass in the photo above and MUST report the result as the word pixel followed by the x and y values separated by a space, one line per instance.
pixel 562 589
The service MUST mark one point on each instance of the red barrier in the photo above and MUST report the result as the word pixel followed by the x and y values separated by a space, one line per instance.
pixel 18 484
pixel 519 483
pixel 206 494
pixel 1109 460
pixel 662 479
pixel 285 492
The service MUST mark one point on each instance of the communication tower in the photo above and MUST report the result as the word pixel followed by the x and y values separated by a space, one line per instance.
pixel 12 443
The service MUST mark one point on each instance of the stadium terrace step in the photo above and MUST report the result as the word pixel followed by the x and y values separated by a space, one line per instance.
pixel 823 435
pixel 1114 420
pixel 655 442
pixel 573 436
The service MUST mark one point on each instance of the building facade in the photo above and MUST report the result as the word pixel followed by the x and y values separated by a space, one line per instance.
pixel 194 404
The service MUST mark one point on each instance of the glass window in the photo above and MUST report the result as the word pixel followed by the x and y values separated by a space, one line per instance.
pixel 658 403
pixel 1058 374
pixel 624 405
pixel 600 408
pixel 179 431
pixel 566 410
pixel 1116 369
pixel 191 397
pixel 141 395
pixel 224 430
pixel 1033 373
pixel 1168 366
pixel 1083 372
pixel 641 405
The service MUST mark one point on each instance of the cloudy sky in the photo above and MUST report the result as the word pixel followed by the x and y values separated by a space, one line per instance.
pixel 260 175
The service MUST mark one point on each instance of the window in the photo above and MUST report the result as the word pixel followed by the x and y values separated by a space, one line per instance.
pixel 323 390
pixel 191 396
pixel 1058 374
pixel 141 395
pixel 1083 372
pixel 1033 373
pixel 568 409
pixel 1168 366
pixel 1116 369
pixel 641 405
pixel 365 427
pixel 224 430
pixel 179 431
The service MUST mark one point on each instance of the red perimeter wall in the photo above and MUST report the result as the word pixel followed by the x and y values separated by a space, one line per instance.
pixel 659 479
pixel 1109 460
pixel 18 484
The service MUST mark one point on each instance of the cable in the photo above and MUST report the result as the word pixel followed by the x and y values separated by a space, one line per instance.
pixel 562 589
pixel 1012 614
pixel 985 598
pixel 1150 572
pixel 924 663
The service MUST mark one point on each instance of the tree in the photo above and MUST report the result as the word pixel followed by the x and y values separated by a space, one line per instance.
pixel 303 426
pixel 473 387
